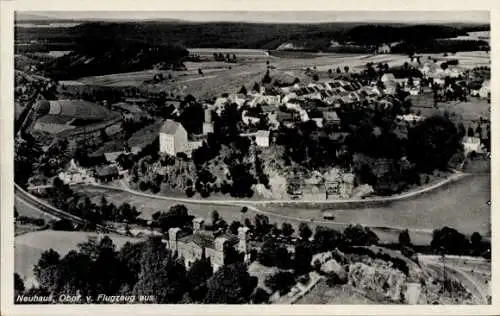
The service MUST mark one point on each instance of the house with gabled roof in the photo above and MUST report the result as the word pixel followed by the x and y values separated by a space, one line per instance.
pixel 173 138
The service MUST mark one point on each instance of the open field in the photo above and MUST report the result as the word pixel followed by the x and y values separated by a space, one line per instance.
pixel 340 294
pixel 218 78
pixel 29 247
pixel 471 110
pixel 25 209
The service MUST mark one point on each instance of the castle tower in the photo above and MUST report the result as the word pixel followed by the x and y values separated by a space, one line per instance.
pixel 243 233
pixel 218 258
pixel 173 233
pixel 197 224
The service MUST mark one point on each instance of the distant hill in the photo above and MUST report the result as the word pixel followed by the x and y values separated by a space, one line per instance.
pixel 107 47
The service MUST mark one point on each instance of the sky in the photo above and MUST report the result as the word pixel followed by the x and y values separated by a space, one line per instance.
pixel 272 16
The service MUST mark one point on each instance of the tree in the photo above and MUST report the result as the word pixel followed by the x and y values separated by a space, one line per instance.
pixel 404 239
pixel 130 254
pixel 273 253
pixel 215 217
pixel 346 69
pixel 267 78
pixel 16 213
pixel 256 87
pixel 201 270
pixel 231 284
pixel 304 231
pixel 26 153
pixel 303 257
pixel 233 228
pixel 47 271
pixel 262 226
pixel 18 285
pixel 177 216
pixel 315 77
pixel 244 209
pixel 200 72
pixel 260 296
pixel 162 275
pixel 357 235
pixel 476 240
pixel 281 282
pixel 470 132
pixel 326 239
pixel 432 143
pixel 243 90
pixel 287 230
pixel 461 130
pixel 449 240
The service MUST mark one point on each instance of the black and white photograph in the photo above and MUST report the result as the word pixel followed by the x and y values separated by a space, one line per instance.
pixel 251 157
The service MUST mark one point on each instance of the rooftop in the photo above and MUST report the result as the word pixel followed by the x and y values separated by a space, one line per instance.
pixel 170 127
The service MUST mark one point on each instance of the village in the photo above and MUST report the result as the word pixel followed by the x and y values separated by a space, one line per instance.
pixel 341 178
pixel 267 111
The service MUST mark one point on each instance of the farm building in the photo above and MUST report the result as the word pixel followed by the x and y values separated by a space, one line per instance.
pixel 331 118
pixel 173 138
pixel 472 144
pixel 384 49
pixel 485 90
pixel 107 173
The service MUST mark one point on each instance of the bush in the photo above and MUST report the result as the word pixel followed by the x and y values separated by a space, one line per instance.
pixel 260 296
pixel 304 279
pixel 63 224
pixel 190 192
pixel 281 281
pixel 30 220
pixel 143 185
pixel 333 279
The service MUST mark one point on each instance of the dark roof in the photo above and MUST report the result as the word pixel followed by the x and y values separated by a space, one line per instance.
pixel 331 116
pixel 146 135
pixel 170 127
pixel 131 108
pixel 202 240
pixel 284 116
pixel 207 239
pixel 54 119
pixel 109 147
pixel 107 171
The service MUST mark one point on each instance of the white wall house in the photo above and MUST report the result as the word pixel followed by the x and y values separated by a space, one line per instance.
pixel 173 138
pixel 262 138
pixel 471 144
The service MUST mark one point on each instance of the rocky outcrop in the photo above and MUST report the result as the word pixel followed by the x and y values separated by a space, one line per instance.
pixel 379 278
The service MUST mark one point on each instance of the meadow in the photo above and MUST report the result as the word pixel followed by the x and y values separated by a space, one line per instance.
pixel 29 247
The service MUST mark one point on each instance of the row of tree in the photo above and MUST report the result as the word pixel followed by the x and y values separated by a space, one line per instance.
pixel 63 197
pixel 144 268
